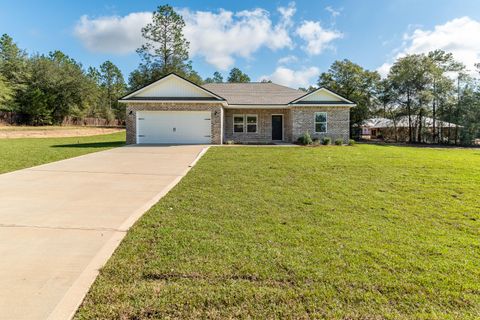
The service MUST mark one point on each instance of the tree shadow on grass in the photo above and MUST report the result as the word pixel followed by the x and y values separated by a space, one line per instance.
pixel 106 144
pixel 420 145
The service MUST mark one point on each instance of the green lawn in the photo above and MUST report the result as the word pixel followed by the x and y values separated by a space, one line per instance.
pixel 364 232
pixel 23 153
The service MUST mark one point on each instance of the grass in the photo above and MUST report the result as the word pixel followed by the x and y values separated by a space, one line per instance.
pixel 364 232
pixel 22 153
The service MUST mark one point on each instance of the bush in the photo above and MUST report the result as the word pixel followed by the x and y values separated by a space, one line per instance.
pixel 316 141
pixel 326 141
pixel 338 142
pixel 305 139
pixel 351 142
pixel 230 142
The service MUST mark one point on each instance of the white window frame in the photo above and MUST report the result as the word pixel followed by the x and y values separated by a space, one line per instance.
pixel 256 123
pixel 244 123
pixel 315 122
pixel 235 123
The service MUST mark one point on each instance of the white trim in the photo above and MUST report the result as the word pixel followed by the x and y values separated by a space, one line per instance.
pixel 165 78
pixel 256 122
pixel 315 121
pixel 221 126
pixel 136 127
pixel 256 106
pixel 286 106
pixel 283 125
pixel 321 89
pixel 243 106
pixel 245 123
pixel 322 105
pixel 224 103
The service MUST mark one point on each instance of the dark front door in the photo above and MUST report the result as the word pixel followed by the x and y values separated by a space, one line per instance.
pixel 277 127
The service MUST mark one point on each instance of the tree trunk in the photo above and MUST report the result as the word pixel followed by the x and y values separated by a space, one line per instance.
pixel 434 111
pixel 395 129
pixel 410 134
pixel 419 134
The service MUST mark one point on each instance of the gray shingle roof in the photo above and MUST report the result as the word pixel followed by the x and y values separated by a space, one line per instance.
pixel 254 92
pixel 172 98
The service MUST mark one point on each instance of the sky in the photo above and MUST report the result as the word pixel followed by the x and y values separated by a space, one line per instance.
pixel 288 42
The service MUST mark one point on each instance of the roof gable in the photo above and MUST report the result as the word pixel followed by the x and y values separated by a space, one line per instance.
pixel 322 96
pixel 172 87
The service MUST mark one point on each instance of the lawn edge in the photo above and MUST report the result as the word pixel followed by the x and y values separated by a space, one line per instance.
pixel 73 298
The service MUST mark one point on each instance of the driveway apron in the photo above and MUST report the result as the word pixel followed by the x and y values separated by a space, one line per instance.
pixel 60 222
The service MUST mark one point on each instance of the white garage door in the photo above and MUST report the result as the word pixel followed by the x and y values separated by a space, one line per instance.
pixel 183 127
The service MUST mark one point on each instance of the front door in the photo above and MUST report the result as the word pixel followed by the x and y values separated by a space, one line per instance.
pixel 277 127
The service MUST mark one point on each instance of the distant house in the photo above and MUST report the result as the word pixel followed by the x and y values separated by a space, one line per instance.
pixel 388 129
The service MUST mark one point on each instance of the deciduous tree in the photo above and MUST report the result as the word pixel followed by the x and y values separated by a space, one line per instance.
pixel 355 83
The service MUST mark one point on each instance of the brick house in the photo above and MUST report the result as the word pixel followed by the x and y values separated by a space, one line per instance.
pixel 174 110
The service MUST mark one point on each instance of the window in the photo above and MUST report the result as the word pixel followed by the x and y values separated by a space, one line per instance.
pixel 320 122
pixel 251 123
pixel 240 121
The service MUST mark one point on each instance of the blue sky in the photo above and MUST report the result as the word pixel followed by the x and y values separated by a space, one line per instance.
pixel 290 42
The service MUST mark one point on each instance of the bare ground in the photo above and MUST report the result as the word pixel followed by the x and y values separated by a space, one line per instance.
pixel 11 132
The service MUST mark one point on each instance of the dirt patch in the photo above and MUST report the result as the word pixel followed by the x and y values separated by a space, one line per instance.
pixel 13 133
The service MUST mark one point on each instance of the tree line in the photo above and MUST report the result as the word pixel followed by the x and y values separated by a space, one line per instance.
pixel 44 89
pixel 417 86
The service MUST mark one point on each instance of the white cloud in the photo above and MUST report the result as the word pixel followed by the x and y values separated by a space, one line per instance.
pixel 317 38
pixel 112 34
pixel 333 12
pixel 458 36
pixel 220 37
pixel 293 78
pixel 287 59
pixel 384 69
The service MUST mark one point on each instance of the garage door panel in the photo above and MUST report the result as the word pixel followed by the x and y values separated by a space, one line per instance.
pixel 188 127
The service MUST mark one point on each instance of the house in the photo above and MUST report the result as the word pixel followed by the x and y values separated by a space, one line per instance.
pixel 387 129
pixel 173 110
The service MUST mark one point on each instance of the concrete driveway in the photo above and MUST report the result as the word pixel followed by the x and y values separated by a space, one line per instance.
pixel 60 222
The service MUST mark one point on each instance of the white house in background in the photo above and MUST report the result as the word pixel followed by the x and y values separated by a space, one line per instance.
pixel 383 128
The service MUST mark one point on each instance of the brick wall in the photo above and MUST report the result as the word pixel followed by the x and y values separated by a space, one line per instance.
pixel 264 127
pixel 296 121
pixel 338 122
pixel 215 108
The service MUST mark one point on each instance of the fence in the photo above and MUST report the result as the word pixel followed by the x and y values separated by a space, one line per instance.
pixel 69 121
pixel 10 118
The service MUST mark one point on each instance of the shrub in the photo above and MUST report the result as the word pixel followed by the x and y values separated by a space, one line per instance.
pixel 230 142
pixel 316 141
pixel 326 141
pixel 305 139
pixel 338 142
pixel 351 142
